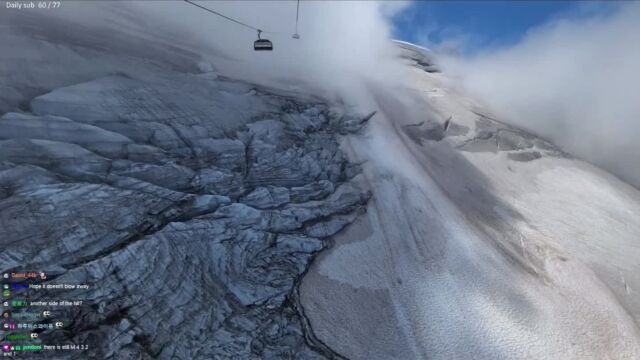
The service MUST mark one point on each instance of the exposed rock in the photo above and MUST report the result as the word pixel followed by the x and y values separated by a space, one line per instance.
pixel 493 136
pixel 455 129
pixel 524 156
pixel 422 58
pixel 511 140
pixel 424 131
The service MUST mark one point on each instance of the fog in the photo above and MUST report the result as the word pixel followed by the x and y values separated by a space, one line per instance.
pixel 342 43
pixel 574 81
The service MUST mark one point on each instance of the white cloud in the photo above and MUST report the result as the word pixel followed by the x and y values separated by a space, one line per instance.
pixel 574 81
pixel 342 42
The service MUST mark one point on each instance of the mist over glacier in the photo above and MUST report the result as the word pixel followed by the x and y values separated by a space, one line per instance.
pixel 335 55
pixel 342 44
pixel 230 204
pixel 573 80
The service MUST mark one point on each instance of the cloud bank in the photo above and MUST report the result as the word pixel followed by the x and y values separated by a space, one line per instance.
pixel 573 81
pixel 342 46
pixel 341 42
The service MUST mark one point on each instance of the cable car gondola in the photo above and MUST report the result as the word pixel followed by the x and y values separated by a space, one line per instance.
pixel 262 44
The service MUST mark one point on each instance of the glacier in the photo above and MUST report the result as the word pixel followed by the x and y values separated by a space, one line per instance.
pixel 219 218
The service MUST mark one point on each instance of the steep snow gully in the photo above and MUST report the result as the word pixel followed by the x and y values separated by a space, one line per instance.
pixel 218 219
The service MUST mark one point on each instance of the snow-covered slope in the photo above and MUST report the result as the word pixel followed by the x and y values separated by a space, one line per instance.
pixel 194 205
pixel 190 203
pixel 480 242
pixel 421 57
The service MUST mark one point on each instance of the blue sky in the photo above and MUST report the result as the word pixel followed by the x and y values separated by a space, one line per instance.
pixel 471 26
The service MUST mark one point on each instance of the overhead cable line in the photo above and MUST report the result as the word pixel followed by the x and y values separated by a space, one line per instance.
pixel 227 17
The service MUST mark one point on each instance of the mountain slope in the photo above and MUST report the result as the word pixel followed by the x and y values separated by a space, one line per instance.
pixel 189 203
pixel 481 241
pixel 194 204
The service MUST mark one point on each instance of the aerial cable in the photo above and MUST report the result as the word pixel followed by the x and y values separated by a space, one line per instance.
pixel 260 44
pixel 224 16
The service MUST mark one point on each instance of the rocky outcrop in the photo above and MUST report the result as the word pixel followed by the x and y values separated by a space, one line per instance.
pixel 191 206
